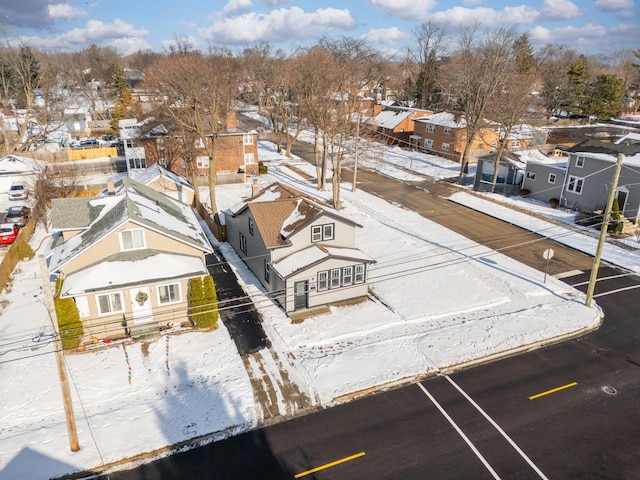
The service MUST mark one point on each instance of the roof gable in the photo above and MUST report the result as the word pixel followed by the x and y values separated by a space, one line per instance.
pixel 136 203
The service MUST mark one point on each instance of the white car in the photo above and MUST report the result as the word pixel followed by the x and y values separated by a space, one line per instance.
pixel 18 191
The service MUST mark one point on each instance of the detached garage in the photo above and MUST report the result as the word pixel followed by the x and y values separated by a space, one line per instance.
pixel 15 168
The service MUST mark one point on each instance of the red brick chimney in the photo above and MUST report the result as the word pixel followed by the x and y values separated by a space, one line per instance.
pixel 231 121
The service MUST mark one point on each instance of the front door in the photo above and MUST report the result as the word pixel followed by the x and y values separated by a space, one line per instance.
pixel 300 297
pixel 141 305
pixel 622 195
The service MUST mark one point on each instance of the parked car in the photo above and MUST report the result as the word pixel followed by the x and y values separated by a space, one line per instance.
pixel 86 143
pixel 18 215
pixel 8 233
pixel 18 191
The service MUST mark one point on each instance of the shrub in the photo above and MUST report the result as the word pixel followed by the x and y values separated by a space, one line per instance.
pixel 262 168
pixel 210 308
pixel 615 223
pixel 24 250
pixel 554 202
pixel 196 300
pixel 524 192
pixel 69 324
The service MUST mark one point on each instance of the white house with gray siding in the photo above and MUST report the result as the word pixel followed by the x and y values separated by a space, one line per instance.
pixel 302 252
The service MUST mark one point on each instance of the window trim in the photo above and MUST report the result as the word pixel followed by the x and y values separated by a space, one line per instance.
pixel 243 243
pixel 359 273
pixel 134 247
pixel 109 295
pixel 247 139
pixel 319 232
pixel 267 271
pixel 347 275
pixel 251 225
pixel 202 161
pixel 249 158
pixel 552 178
pixel 170 301
pixel 531 175
pixel 335 278
pixel 323 283
pixel 446 130
pixel 446 147
pixel 579 161
pixel 575 184
pixel 428 143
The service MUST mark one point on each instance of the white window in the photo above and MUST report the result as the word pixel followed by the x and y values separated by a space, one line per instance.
pixel 249 158
pixel 359 278
pixel 335 278
pixel 162 162
pixel 447 130
pixel 168 293
pixel 267 271
pixel 446 147
pixel 110 303
pixel 347 275
pixel 575 184
pixel 199 143
pixel 202 161
pixel 251 225
pixel 128 143
pixel 515 143
pixel 580 161
pixel 428 144
pixel 531 175
pixel 320 233
pixel 243 243
pixel 431 128
pixel 323 280
pixel 132 239
pixel 247 139
pixel 552 178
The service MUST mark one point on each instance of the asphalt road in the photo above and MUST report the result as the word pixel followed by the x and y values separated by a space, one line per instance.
pixel 585 431
pixel 566 411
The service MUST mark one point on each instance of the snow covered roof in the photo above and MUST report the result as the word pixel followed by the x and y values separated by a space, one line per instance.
pixel 390 119
pixel 445 119
pixel 14 164
pixel 137 203
pixel 132 268
pixel 629 139
pixel 149 174
pixel 533 155
pixel 314 255
pixel 279 211
pixel 608 151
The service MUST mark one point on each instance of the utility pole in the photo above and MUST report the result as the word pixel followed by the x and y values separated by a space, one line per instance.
pixel 355 162
pixel 62 369
pixel 603 231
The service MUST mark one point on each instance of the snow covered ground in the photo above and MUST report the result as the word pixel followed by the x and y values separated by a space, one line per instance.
pixel 440 301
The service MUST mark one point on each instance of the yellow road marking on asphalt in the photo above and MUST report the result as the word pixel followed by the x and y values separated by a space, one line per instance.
pixel 553 390
pixel 328 465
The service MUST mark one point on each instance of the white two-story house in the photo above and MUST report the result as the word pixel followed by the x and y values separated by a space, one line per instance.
pixel 303 253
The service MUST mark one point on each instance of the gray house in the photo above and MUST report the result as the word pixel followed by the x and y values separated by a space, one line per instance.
pixel 303 253
pixel 544 175
pixel 589 177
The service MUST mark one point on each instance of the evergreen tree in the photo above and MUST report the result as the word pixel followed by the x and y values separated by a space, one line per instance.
pixel 126 105
pixel 578 74
pixel 615 224
pixel 69 323
pixel 210 315
pixel 196 300
pixel 604 96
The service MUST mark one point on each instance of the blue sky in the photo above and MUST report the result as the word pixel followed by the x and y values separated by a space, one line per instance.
pixel 589 26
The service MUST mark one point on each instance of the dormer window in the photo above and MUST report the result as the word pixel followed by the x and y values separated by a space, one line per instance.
pixel 132 239
pixel 321 233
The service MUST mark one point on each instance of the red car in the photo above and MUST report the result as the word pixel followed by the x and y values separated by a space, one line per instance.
pixel 8 233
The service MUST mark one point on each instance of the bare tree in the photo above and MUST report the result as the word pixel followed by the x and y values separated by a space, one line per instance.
pixel 477 75
pixel 198 92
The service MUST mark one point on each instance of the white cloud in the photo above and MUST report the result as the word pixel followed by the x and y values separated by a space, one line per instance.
pixel 472 3
pixel 278 25
pixel 589 35
pixel 522 14
pixel 384 35
pixel 64 11
pixel 408 9
pixel 122 35
pixel 236 7
pixel 275 3
pixel 613 5
pixel 558 10
pixel 461 15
